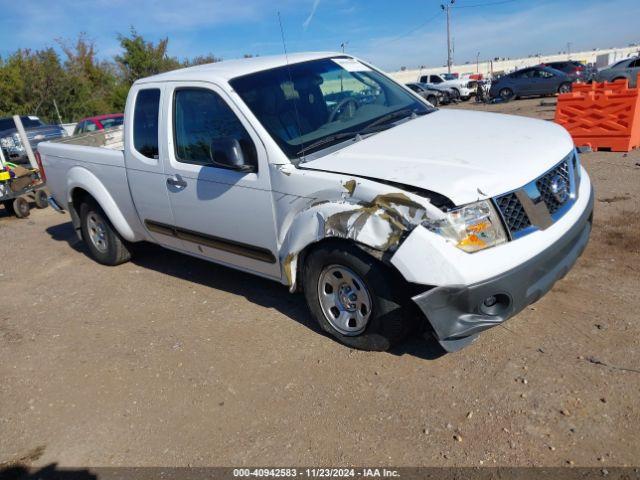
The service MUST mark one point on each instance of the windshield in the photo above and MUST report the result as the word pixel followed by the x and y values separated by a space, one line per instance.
pixel 308 106
pixel 112 122
pixel 27 122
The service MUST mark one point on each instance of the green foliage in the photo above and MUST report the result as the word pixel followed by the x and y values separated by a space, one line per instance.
pixel 80 84
pixel 143 59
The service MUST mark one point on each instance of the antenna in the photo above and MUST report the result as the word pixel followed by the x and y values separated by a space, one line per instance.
pixel 295 107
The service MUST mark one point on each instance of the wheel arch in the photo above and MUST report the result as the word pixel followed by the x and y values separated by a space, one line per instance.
pixel 82 184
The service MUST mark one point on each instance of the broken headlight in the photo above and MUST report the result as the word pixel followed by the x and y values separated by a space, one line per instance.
pixel 471 228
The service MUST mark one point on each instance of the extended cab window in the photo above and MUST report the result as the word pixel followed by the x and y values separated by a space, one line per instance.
pixel 145 122
pixel 202 121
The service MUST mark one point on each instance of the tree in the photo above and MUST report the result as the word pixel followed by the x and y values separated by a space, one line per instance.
pixel 90 83
pixel 30 81
pixel 33 82
pixel 142 59
pixel 201 60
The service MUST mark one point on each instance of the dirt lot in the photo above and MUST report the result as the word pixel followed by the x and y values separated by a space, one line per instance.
pixel 169 360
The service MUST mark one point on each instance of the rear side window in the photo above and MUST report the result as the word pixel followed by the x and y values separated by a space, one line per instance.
pixel 145 122
pixel 200 118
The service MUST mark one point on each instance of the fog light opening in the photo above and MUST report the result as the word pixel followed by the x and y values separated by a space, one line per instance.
pixel 496 304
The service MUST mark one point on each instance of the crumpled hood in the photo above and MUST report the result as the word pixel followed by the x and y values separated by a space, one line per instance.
pixel 464 155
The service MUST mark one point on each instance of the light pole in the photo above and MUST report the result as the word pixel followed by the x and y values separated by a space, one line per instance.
pixel 478 62
pixel 343 45
pixel 568 50
pixel 447 8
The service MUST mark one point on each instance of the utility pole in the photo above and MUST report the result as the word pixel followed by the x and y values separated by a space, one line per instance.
pixel 447 8
pixel 478 63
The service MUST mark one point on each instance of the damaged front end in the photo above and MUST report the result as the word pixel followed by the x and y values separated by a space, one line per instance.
pixel 377 222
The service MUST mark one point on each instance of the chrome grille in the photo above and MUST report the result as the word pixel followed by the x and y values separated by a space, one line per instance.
pixel 556 189
pixel 513 213
pixel 544 185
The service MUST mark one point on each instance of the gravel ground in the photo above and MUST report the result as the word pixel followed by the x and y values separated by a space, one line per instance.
pixel 171 361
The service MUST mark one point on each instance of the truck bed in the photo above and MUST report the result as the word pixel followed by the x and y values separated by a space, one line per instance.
pixel 95 163
pixel 112 139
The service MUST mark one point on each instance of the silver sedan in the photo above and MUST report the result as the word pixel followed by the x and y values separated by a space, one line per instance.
pixel 625 69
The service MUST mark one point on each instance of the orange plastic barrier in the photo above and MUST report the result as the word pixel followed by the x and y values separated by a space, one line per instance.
pixel 602 115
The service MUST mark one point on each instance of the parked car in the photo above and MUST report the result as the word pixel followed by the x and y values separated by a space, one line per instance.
pixel 574 69
pixel 464 88
pixel 99 122
pixel 450 95
pixel 434 97
pixel 626 69
pixel 530 82
pixel 37 131
pixel 375 207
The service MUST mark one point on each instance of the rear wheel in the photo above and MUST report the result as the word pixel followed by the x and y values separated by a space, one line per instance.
pixel 564 88
pixel 433 100
pixel 41 199
pixel 353 297
pixel 506 94
pixel 104 242
pixel 21 207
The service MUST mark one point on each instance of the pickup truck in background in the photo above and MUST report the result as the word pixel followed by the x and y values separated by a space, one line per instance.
pixel 464 87
pixel 370 204
pixel 37 131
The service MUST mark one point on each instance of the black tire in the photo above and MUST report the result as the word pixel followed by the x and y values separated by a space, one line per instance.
pixel 41 199
pixel 564 88
pixel 506 94
pixel 110 249
pixel 21 207
pixel 388 323
pixel 433 100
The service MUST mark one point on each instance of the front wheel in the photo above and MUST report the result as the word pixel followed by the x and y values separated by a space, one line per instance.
pixel 104 242
pixel 433 100
pixel 354 298
pixel 506 94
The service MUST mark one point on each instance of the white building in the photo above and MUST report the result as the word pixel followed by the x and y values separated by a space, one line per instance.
pixel 600 57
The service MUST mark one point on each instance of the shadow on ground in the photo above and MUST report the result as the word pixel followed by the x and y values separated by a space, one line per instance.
pixel 263 292
pixel 50 472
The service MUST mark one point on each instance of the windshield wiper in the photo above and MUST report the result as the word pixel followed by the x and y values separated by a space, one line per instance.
pixel 368 129
pixel 330 138
pixel 387 118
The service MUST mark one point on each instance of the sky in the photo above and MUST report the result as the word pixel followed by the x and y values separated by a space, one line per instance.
pixel 388 33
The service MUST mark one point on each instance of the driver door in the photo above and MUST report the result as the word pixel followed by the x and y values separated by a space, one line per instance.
pixel 220 213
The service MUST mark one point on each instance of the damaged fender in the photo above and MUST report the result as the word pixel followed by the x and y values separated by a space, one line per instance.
pixel 376 221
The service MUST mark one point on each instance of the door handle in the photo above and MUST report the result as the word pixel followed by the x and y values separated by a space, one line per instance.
pixel 176 182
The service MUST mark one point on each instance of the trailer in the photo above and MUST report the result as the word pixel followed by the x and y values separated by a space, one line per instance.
pixel 19 186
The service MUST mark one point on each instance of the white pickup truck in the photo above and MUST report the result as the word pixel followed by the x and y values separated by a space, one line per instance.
pixel 320 172
pixel 464 87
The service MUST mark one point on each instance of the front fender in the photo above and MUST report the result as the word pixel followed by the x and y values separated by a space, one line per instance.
pixel 378 223
pixel 79 177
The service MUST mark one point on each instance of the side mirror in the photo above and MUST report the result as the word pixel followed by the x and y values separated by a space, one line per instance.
pixel 226 152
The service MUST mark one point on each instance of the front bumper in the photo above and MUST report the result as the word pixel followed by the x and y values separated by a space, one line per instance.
pixel 458 313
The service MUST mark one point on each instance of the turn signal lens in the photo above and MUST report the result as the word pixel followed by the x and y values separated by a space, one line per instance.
pixel 472 228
